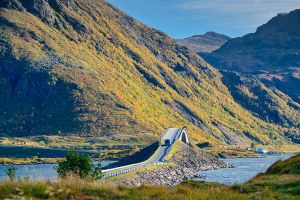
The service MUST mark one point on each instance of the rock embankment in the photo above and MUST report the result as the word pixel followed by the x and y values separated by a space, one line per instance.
pixel 184 164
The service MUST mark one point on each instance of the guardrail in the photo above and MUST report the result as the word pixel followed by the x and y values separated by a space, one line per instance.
pixel 108 175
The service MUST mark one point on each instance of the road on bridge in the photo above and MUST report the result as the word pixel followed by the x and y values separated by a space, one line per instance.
pixel 158 158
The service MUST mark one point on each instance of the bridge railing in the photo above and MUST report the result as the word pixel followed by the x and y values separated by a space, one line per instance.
pixel 115 173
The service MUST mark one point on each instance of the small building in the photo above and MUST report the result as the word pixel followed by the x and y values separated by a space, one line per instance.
pixel 261 150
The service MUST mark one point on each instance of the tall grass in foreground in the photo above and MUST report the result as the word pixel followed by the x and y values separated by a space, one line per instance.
pixel 75 188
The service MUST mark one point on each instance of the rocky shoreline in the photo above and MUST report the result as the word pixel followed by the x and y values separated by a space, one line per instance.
pixel 187 162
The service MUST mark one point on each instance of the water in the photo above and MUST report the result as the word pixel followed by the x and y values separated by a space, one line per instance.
pixel 37 171
pixel 245 169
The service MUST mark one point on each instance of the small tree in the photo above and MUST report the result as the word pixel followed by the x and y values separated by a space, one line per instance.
pixel 11 173
pixel 79 164
pixel 253 147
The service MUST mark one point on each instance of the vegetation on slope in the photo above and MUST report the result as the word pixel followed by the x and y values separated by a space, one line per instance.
pixel 270 104
pixel 84 67
pixel 289 166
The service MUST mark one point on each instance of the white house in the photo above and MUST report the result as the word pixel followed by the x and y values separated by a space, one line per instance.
pixel 261 150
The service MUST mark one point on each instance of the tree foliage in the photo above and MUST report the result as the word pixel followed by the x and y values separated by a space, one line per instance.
pixel 79 164
pixel 11 173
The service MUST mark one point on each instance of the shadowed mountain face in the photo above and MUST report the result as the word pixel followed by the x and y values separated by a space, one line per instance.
pixel 268 103
pixel 84 67
pixel 272 54
pixel 205 43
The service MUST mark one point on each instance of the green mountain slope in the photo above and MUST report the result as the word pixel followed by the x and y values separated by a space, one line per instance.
pixel 84 67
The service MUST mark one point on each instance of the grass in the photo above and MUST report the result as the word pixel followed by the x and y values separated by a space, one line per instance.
pixel 173 150
pixel 33 160
pixel 77 189
pixel 271 187
pixel 109 150
pixel 289 166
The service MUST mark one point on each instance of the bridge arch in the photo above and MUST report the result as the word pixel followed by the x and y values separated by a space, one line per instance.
pixel 184 136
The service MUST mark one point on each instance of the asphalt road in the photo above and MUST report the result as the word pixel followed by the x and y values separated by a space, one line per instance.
pixel 162 152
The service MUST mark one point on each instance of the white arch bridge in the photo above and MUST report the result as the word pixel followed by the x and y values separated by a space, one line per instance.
pixel 173 134
pixel 168 139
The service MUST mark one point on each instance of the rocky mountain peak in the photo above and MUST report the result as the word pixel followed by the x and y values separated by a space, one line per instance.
pixel 205 43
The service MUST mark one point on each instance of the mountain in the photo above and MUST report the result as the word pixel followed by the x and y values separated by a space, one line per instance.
pixel 205 43
pixel 77 67
pixel 272 54
pixel 265 102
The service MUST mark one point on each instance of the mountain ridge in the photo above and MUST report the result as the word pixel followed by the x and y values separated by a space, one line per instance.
pixel 206 43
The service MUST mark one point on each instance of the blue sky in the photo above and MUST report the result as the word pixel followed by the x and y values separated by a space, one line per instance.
pixel 183 18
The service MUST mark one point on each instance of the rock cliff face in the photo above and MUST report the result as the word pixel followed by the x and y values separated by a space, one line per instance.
pixel 84 67
pixel 187 162
pixel 205 43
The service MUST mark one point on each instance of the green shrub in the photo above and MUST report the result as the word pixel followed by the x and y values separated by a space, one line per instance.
pixel 79 164
pixel 11 173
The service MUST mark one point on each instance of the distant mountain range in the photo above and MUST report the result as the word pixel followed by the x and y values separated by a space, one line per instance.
pixel 77 67
pixel 205 43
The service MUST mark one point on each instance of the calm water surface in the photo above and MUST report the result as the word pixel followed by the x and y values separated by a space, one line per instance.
pixel 37 171
pixel 245 169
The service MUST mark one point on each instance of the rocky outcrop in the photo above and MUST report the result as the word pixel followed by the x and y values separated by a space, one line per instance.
pixel 187 162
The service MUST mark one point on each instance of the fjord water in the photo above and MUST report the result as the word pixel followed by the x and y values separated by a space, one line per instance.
pixel 244 169
pixel 37 171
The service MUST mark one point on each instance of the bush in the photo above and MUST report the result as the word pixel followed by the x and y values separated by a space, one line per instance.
pixel 79 164
pixel 11 173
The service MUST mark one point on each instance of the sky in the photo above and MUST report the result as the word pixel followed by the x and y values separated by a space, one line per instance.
pixel 184 18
